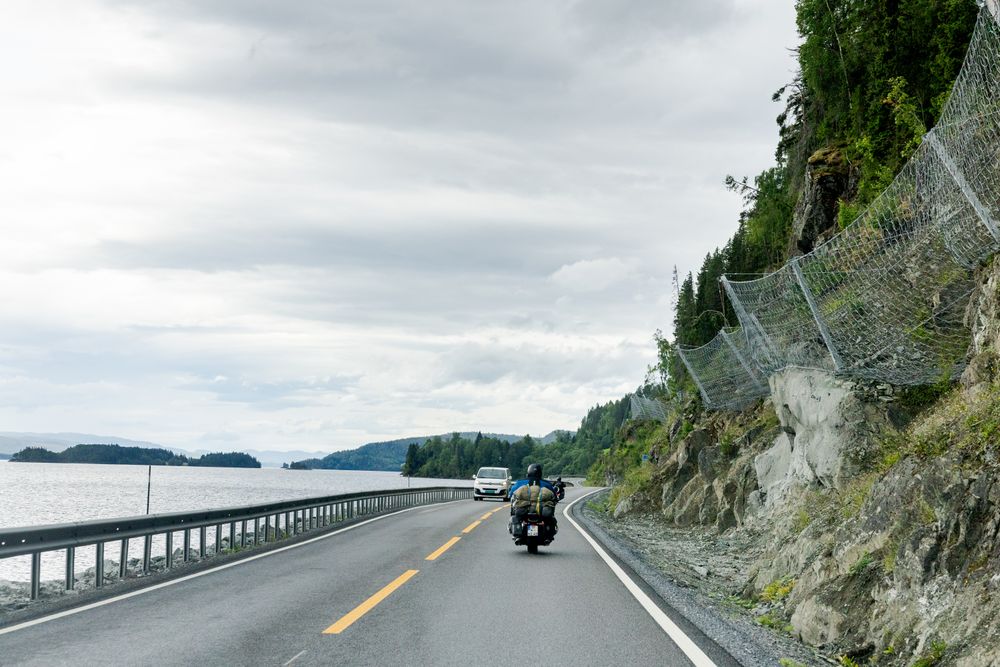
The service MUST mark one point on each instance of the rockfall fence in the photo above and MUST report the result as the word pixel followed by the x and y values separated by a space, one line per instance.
pixel 885 298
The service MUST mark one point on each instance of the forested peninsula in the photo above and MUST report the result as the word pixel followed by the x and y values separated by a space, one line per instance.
pixel 568 454
pixel 117 455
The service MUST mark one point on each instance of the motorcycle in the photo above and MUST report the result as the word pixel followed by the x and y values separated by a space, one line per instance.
pixel 532 529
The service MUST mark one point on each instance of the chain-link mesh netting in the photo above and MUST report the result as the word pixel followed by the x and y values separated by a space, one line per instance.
pixel 885 298
pixel 646 409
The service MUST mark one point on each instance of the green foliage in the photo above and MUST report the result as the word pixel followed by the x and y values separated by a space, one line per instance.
pixel 802 520
pixel 872 77
pixel 861 564
pixel 934 656
pixel 771 621
pixel 948 420
pixel 457 456
pixel 742 602
pixel 118 455
pixel 634 480
pixel 855 493
pixel 788 662
pixel 845 661
pixel 778 590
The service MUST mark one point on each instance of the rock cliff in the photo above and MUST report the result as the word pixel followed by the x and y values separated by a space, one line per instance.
pixel 867 517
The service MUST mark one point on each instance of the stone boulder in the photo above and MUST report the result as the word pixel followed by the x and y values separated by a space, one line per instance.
pixel 826 429
pixel 828 179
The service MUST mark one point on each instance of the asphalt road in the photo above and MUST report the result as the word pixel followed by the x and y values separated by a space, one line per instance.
pixel 369 596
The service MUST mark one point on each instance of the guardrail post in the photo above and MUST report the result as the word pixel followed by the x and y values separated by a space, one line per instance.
pixel 256 530
pixel 123 565
pixel 99 565
pixel 232 535
pixel 243 534
pixel 202 535
pixel 168 550
pixel 187 545
pixel 70 568
pixel 36 575
pixel 147 553
pixel 218 538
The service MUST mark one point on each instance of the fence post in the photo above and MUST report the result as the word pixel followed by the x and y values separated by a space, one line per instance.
pixel 739 357
pixel 750 323
pixel 99 565
pixel 956 175
pixel 694 376
pixel 823 331
pixel 123 565
pixel 70 568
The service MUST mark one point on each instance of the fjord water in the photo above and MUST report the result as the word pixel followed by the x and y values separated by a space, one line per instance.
pixel 43 493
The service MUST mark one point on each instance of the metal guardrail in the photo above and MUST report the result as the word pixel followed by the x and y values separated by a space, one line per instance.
pixel 271 522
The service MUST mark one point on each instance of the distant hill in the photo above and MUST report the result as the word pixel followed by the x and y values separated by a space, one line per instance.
pixel 391 455
pixel 116 455
pixel 11 442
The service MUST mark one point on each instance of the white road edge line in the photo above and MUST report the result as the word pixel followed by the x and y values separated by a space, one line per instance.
pixel 684 643
pixel 224 566
pixel 294 658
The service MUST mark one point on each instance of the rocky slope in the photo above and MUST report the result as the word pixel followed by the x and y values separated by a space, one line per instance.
pixel 861 519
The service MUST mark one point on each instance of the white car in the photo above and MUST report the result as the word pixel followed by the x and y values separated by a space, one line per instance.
pixel 492 483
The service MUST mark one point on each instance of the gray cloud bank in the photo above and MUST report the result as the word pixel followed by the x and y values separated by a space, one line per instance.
pixel 315 224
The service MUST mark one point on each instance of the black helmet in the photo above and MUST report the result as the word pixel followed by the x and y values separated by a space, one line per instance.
pixel 535 471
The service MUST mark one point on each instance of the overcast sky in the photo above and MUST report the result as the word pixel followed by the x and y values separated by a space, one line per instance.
pixel 234 224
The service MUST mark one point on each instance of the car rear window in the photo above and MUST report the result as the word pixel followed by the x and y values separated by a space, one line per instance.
pixel 492 473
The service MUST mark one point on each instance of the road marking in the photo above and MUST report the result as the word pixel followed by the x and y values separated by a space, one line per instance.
pixel 224 566
pixel 444 547
pixel 294 658
pixel 486 516
pixel 683 642
pixel 369 604
pixel 471 527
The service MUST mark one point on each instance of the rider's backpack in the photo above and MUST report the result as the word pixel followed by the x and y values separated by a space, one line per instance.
pixel 533 499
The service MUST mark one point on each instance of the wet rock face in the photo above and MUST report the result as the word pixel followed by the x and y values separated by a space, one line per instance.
pixel 828 179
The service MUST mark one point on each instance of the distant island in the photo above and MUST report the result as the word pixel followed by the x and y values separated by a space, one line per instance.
pixel 117 455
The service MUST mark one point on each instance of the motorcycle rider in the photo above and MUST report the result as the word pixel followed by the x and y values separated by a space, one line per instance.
pixel 534 492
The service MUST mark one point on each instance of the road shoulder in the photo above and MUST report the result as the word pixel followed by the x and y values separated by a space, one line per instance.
pixel 724 624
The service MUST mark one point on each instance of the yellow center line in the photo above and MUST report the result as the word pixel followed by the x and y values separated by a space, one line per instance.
pixel 368 604
pixel 444 547
pixel 471 527
pixel 486 516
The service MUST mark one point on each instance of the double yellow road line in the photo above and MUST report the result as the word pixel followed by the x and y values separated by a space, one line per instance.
pixel 348 619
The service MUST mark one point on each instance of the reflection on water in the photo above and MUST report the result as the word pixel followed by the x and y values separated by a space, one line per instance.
pixel 42 493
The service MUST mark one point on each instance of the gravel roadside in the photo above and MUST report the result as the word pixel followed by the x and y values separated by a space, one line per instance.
pixel 693 575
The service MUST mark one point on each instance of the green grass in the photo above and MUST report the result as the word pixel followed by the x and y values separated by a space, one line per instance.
pixel 861 564
pixel 933 657
pixel 778 590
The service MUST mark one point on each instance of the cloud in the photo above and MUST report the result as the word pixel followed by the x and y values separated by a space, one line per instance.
pixel 315 224
pixel 594 275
